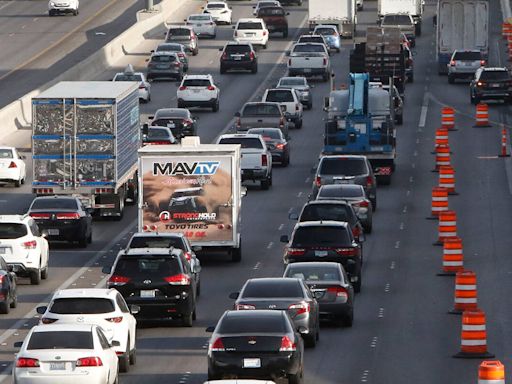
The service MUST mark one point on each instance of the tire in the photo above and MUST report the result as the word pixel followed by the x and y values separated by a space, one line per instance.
pixel 82 242
pixel 451 79
pixel 357 284
pixel 44 273
pixel 215 106
pixel 195 52
pixel 187 320
pixel 296 378
pixel 180 105
pixel 14 302
pixel 348 320
pixel 213 377
pixel 179 77
pixel 198 289
pixel 17 183
pixel 236 254
pixel 310 105
pixel 222 69
pixel 400 119
pixel 5 308
pixel 75 13
pixel 194 316
pixel 121 207
pixel 133 356
pixel 265 184
pixel 35 277
pixel 254 68
pixel 286 162
pixel 298 124
pixel 23 180
pixel 310 340
pixel 374 204
pixel 124 359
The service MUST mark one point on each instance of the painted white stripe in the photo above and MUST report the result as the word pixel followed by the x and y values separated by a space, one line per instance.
pixel 467 327
pixel 423 116
pixel 473 342
pixel 484 381
pixel 465 287
pixel 453 263
pixel 459 300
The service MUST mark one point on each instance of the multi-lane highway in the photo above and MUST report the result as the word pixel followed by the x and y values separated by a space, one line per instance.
pixel 402 332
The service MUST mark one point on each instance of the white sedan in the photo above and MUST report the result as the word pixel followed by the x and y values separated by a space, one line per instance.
pixel 66 354
pixel 220 11
pixel 12 166
pixel 103 307
pixel 202 24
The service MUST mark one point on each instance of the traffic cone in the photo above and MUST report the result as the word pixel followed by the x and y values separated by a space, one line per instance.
pixel 453 259
pixel 441 138
pixel 439 202
pixel 447 178
pixel 442 157
pixel 504 152
pixel 448 118
pixel 447 227
pixel 473 344
pixel 491 372
pixel 465 292
pixel 482 115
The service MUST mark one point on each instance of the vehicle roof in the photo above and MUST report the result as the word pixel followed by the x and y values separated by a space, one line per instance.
pixel 151 251
pixel 263 280
pixel 341 186
pixel 240 135
pixel 324 223
pixel 250 20
pixel 280 89
pixel 64 327
pixel 163 53
pixel 171 112
pixel 171 43
pixel 263 129
pixel 157 234
pixel 325 26
pixel 85 292
pixel 239 381
pixel 238 43
pixel 208 76
pixel 292 77
pixel 216 2
pixel 56 197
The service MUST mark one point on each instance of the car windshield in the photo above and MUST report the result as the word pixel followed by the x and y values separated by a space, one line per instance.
pixel 163 58
pixel 314 273
pixel 272 289
pixel 12 230
pixel 61 340
pixel 232 48
pixel 197 83
pixel 326 31
pixel 270 11
pixel 6 154
pixel 249 25
pixel 397 20
pixel 308 48
pixel 340 191
pixel 292 82
pixel 474 56
pixel 54 204
pixel 82 306
pixel 135 266
pixel 252 324
pixel 261 110
pixel 245 142
pixel 494 75
pixel 156 242
pixel 342 166
pixel 169 48
pixel 154 133
pixel 322 235
pixel 280 96
pixel 124 77
pixel 266 133
pixel 200 18
pixel 335 212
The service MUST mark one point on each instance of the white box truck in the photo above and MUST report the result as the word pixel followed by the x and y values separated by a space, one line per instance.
pixel 194 189
pixel 341 13
pixel 411 7
pixel 461 25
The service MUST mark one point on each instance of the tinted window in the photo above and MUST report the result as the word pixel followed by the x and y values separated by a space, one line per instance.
pixel 270 289
pixel 154 133
pixel 215 6
pixel 156 242
pixel 326 31
pixel 164 123
pixel 494 75
pixel 268 11
pixel 267 133
pixel 249 26
pixel 153 265
pixel 54 204
pixel 252 324
pixel 396 20
pixel 163 59
pixel 309 48
pixel 61 340
pixel 83 306
pixel 279 96
pixel 6 154
pixel 343 166
pixel 12 230
pixel 314 212
pixel 123 77
pixel 237 49
pixel 169 47
pixel 179 32
pixel 320 236
pixel 297 81
pixel 311 39
pixel 467 56
pixel 261 109
pixel 314 272
pixel 244 142
pixel 197 83
pixel 199 18
pixel 122 304
pixel 340 191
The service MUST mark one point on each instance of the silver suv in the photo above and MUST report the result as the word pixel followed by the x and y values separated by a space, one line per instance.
pixel 463 64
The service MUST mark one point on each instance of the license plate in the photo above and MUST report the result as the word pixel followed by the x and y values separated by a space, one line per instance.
pixel 321 253
pixel 61 366
pixel 162 66
pixel 495 85
pixel 196 90
pixel 307 70
pixel 242 171
pixel 237 57
pixel 250 34
pixel 171 125
pixel 199 25
pixel 252 363
pixel 150 293
pixel 53 232
pixel 341 181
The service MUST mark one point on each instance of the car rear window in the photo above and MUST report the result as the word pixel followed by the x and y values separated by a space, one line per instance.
pixel 280 96
pixel 249 25
pixel 336 212
pixel 261 110
pixel 396 20
pixel 54 204
pixel 154 133
pixel 197 83
pixel 82 306
pixel 326 31
pixel 266 133
pixel 237 49
pixel 61 340
pixel 311 39
pixel 244 142
pixel 494 75
pixel 163 58
pixel 124 77
pixel 309 48
pixel 179 32
pixel 156 242
pixel 169 48
pixel 321 235
pixel 272 289
pixel 314 273
pixel 215 6
pixel 290 82
pixel 12 230
pixel 252 324
pixel 6 154
pixel 340 191
pixel 133 266
pixel 270 11
pixel 164 122
pixel 343 167
pixel 200 18
pixel 467 56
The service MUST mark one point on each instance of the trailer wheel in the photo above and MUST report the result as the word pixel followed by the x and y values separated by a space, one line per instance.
pixel 120 206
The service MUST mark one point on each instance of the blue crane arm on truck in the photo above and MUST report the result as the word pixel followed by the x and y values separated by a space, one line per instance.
pixel 360 122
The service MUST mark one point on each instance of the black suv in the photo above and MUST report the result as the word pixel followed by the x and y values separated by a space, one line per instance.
pixel 238 56
pixel 159 280
pixel 491 83
pixel 325 241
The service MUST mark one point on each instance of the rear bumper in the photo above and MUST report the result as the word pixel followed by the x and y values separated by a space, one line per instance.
pixel 155 74
pixel 67 233
pixel 254 174
pixel 197 103
pixel 334 310
pixel 493 94
pixel 307 71
pixel 162 309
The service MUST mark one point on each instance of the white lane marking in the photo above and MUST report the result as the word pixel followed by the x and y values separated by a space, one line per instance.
pixel 486 157
pixel 7 4
pixel 405 209
pixel 257 266
pixel 307 180
pixel 407 193
pixel 402 226
pixel 280 227
pixel 397 245
pixel 418 140
pixel 415 153
pixel 424 110
pixel 364 376
pixel 35 19
pixel 373 344
pixel 381 313
pixel 413 165
pixel 270 245
pixel 386 288
pixel 392 265
pixel 411 179
pixel 290 210
pixel 508 169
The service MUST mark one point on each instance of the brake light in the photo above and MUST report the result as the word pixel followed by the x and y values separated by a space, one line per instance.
pixel 318 181
pixel 369 182
pixel 452 63
pixel 30 244
pixel 339 291
pixel 238 123
pixel 181 54
pixel 295 251
pixel 142 87
pixel 13 165
pixel 280 146
pixel 287 345
pixel 179 279
pixel 264 33
pixel 40 215
pixel 182 88
pixel 68 216
pixel 24 362
pixel 363 203
pixel 217 346
pixel 118 280
pixel 211 88
pixel 159 142
pixel 224 56
pixel 177 64
pixel 325 61
pixel 482 62
pixel 264 160
pixel 187 122
pixel 243 307
pixel 356 231
pixel 346 251
pixel 300 308
pixel 48 320
pixel 117 319
pixel 188 256
pixel 89 362
pixel 251 56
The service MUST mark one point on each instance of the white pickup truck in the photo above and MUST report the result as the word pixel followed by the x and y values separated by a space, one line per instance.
pixel 288 99
pixel 309 59
pixel 256 164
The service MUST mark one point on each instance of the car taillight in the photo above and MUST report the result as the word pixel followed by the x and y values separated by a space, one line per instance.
pixel 39 216
pixel 280 146
pixel 160 142
pixel 116 319
pixel 238 123
pixel 48 320
pixel 295 251
pixel 68 216
pixel 287 345
pixel 325 61
pixel 346 251
pixel 452 63
pixel 369 182
pixel 217 346
pixel 187 122
pixel 356 231
pixel 211 88
pixel 363 203
pixel 177 64
pixel 339 291
pixel 182 88
pixel 251 56
pixel 300 308
pixel 482 62
pixel 224 56
pixel 289 62
pixel 179 279
pixel 264 33
pixel 118 280
pixel 264 160
pixel 181 54
pixel 243 307
pixel 188 256
pixel 318 181
pixel 24 362
pixel 142 87
pixel 30 244
pixel 13 165
pixel 479 84
pixel 89 362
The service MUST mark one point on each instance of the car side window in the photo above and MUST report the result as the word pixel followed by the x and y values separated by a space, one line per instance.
pixel 3 264
pixel 34 228
pixel 122 304
pixel 103 340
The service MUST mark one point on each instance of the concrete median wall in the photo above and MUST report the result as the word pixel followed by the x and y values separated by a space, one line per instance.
pixel 17 115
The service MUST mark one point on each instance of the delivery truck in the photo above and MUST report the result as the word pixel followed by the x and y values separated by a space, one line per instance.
pixel 85 137
pixel 194 189
pixel 410 7
pixel 341 13
pixel 461 25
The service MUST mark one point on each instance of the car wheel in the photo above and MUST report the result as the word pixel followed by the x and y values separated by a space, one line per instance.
pixel 180 105
pixel 194 315
pixel 133 356
pixel 195 51
pixel 399 119
pixel 187 319
pixel 5 308
pixel 82 242
pixel 296 378
pixel 451 79
pixel 357 284
pixel 265 46
pixel 298 124
pixel 215 107
pixel 254 68
pixel 35 277
pixel 286 162
pixel 198 289
pixel 44 273
pixel 89 238
pixel 75 13
pixel 23 180
pixel 236 254
pixel 310 340
pixel 212 376
pixel 17 183
pixel 265 184
pixel 214 36
pixel 348 319
pixel 124 359
pixel 310 104
pixel 14 302
pixel 50 13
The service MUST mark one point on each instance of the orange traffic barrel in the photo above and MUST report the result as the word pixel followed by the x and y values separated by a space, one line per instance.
pixel 447 178
pixel 491 372
pixel 465 292
pixel 447 226
pixel 504 150
pixel 482 115
pixel 448 118
pixel 439 201
pixel 442 156
pixel 473 338
pixel 453 258
pixel 441 138
pixel 506 30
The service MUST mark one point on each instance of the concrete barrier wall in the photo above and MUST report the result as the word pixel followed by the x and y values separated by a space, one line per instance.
pixel 18 115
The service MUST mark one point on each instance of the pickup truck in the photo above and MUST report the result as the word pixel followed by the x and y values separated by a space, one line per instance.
pixel 404 22
pixel 289 99
pixel 261 115
pixel 256 162
pixel 309 59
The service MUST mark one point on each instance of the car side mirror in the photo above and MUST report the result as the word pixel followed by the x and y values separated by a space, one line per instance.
pixel 287 53
pixel 293 216
pixel 134 309
pixel 210 329
pixel 237 114
pixel 41 310
pixel 18 344
pixel 243 191
pixel 221 49
pixel 284 239
pixel 106 270
pixel 234 295
pixel 115 343
pixel 152 51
